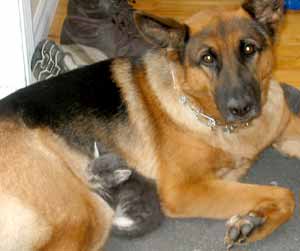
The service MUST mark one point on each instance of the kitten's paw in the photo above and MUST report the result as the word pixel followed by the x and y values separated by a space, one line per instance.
pixel 123 222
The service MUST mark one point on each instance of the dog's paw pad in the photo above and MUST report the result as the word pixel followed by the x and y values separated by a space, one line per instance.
pixel 239 228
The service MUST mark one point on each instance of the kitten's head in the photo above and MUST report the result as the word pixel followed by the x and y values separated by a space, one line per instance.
pixel 109 169
pixel 110 172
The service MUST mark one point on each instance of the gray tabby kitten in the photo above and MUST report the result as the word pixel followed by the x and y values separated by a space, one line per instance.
pixel 133 197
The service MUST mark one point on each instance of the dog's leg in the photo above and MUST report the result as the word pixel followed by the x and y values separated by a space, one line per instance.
pixel 21 227
pixel 254 211
pixel 289 141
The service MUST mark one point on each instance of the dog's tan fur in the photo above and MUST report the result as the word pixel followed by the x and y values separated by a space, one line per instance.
pixel 42 164
pixel 43 179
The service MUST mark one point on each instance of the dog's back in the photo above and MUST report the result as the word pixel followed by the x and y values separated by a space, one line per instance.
pixel 45 202
pixel 73 101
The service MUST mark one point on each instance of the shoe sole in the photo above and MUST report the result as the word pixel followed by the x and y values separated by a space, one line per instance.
pixel 47 60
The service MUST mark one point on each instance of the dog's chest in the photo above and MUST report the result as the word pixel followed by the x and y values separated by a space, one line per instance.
pixel 245 144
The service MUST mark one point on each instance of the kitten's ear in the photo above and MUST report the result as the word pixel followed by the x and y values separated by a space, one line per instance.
pixel 99 149
pixel 269 13
pixel 121 175
pixel 96 150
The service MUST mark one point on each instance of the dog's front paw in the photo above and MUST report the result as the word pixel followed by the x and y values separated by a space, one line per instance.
pixel 239 228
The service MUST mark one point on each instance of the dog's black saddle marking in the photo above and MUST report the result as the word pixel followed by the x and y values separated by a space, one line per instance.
pixel 292 98
pixel 89 93
pixel 89 90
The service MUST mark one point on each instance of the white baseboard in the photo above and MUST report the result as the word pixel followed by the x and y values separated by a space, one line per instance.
pixel 43 18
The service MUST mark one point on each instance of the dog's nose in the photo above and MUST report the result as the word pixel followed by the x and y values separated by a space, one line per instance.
pixel 240 108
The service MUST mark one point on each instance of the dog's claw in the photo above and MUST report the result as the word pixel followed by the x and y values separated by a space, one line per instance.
pixel 233 233
pixel 246 229
pixel 239 228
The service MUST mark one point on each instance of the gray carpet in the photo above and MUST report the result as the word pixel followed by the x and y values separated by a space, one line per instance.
pixel 207 235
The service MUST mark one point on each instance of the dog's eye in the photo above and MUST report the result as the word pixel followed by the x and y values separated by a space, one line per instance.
pixel 248 49
pixel 208 59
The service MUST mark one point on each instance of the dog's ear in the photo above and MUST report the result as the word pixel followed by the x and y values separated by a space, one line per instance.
pixel 162 32
pixel 269 13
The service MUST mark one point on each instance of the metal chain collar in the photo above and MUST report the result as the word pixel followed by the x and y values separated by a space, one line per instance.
pixel 209 121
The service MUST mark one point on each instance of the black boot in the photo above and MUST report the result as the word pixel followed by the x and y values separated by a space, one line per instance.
pixel 113 31
pixel 88 8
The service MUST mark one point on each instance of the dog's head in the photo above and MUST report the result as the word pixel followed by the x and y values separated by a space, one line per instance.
pixel 227 56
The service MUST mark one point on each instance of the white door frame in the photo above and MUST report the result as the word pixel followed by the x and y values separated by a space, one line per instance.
pixel 20 36
pixel 14 52
pixel 42 19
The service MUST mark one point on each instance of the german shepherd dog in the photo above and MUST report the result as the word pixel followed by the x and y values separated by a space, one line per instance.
pixel 192 114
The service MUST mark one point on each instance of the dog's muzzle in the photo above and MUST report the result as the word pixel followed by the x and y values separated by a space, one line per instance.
pixel 238 105
pixel 241 109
